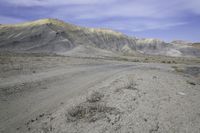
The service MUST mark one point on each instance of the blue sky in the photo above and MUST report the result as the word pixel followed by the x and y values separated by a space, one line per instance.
pixel 164 19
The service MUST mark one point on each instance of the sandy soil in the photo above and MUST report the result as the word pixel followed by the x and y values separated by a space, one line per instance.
pixel 72 95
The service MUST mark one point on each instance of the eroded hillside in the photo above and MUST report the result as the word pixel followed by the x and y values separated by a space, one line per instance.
pixel 55 36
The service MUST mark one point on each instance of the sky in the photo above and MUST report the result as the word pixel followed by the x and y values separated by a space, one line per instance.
pixel 162 19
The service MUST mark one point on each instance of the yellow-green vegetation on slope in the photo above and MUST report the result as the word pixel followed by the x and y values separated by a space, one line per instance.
pixel 36 23
pixel 55 36
pixel 62 24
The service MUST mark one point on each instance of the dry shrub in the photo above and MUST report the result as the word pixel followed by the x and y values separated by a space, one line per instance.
pixel 88 111
pixel 95 97
pixel 163 61
pixel 130 84
pixel 177 69
pixel 91 110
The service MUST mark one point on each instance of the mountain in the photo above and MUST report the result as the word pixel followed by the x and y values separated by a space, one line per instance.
pixel 181 42
pixel 186 48
pixel 55 36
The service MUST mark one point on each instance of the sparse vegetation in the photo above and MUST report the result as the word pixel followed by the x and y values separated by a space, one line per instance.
pixel 178 69
pixel 169 62
pixel 95 97
pixel 156 59
pixel 86 111
pixel 163 61
pixel 91 110
pixel 130 83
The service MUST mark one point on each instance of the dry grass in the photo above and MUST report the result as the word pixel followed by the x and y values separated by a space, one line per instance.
pixel 158 59
pixel 94 97
pixel 91 110
pixel 130 84
pixel 178 69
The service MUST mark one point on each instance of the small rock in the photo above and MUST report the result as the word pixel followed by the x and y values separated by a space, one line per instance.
pixel 154 77
pixel 181 93
pixel 145 119
pixel 191 82
pixel 41 115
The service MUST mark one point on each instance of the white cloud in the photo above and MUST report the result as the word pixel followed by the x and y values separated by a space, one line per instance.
pixel 155 9
pixel 153 26
pixel 138 25
pixel 126 8
pixel 156 14
pixel 53 2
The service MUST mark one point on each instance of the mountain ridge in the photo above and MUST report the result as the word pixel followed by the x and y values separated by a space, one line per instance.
pixel 56 36
pixel 61 23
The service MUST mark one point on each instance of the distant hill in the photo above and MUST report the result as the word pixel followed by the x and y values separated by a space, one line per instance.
pixel 196 45
pixel 181 42
pixel 55 36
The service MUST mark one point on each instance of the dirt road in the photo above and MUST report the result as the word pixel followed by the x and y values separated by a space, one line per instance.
pixel 138 97
pixel 44 92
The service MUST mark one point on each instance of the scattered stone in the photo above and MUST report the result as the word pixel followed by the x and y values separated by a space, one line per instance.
pixel 41 115
pixel 33 71
pixel 181 93
pixel 145 119
pixel 191 82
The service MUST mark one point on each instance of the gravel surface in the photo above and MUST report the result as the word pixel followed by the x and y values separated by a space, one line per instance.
pixel 91 97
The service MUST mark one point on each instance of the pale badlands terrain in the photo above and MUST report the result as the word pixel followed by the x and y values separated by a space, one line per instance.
pixel 57 94
pixel 56 77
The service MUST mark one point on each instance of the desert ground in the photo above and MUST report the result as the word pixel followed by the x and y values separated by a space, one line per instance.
pixel 59 94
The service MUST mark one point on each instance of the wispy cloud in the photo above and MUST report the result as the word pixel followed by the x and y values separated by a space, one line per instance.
pixel 54 2
pixel 142 8
pixel 124 15
pixel 138 25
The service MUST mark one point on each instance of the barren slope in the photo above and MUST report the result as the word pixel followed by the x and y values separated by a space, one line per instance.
pixel 55 36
